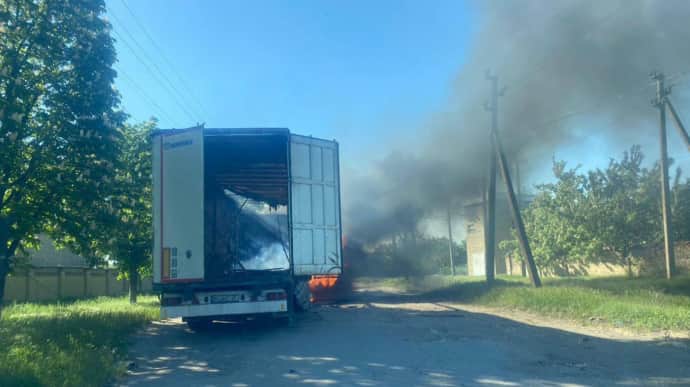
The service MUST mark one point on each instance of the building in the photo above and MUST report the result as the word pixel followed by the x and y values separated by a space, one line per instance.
pixel 49 255
pixel 474 219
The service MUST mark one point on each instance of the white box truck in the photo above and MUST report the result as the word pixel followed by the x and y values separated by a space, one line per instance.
pixel 242 219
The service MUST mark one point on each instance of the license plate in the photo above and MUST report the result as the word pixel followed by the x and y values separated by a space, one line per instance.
pixel 225 298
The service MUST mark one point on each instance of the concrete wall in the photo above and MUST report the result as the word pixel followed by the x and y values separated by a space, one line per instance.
pixel 61 283
pixel 653 260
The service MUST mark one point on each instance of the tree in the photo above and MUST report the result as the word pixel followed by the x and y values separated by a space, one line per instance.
pixel 122 221
pixel 680 208
pixel 556 222
pixel 411 256
pixel 58 120
pixel 594 216
pixel 622 214
pixel 131 233
pixel 435 254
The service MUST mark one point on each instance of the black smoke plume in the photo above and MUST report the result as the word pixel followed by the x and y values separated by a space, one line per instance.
pixel 571 69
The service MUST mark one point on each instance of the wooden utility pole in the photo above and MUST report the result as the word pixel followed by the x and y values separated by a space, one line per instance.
pixel 678 122
pixel 518 185
pixel 450 242
pixel 490 213
pixel 660 103
pixel 499 155
pixel 515 210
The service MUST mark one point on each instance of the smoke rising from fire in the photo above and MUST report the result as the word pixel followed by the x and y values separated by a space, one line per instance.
pixel 571 69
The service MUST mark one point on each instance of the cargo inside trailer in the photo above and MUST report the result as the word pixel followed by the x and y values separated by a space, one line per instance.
pixel 246 204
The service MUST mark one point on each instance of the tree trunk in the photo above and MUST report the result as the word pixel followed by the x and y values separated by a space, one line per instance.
pixel 627 259
pixel 4 270
pixel 133 286
pixel 5 254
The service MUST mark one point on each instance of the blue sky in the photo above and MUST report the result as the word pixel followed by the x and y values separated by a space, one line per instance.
pixel 358 71
pixel 362 72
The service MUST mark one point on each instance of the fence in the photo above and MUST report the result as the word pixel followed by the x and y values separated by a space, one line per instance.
pixel 61 283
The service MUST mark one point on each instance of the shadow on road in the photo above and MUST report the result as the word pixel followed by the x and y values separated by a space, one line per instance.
pixel 383 340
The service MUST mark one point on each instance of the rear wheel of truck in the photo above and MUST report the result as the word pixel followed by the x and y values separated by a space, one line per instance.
pixel 302 296
pixel 199 324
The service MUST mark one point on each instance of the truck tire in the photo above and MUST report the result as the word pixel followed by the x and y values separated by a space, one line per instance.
pixel 302 296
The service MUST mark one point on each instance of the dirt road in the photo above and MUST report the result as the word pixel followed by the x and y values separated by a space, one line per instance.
pixel 381 340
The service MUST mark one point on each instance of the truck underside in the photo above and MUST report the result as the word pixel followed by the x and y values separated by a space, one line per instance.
pixel 247 294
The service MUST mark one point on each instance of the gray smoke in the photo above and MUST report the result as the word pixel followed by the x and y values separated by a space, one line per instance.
pixel 572 69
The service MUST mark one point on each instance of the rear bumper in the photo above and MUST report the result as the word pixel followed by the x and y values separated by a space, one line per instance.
pixel 235 308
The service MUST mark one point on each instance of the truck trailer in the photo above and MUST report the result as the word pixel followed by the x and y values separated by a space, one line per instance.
pixel 243 218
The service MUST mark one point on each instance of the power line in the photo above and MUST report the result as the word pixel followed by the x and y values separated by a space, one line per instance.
pixel 161 53
pixel 190 116
pixel 140 90
pixel 155 65
pixel 596 107
pixel 152 72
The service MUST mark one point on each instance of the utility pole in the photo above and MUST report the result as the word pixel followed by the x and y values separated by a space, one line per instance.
pixel 450 242
pixel 490 214
pixel 678 122
pixel 518 184
pixel 660 103
pixel 498 153
pixel 515 210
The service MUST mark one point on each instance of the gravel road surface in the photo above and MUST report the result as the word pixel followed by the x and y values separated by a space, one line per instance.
pixel 380 340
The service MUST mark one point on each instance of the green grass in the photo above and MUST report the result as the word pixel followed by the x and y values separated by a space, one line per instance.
pixel 416 284
pixel 75 344
pixel 646 304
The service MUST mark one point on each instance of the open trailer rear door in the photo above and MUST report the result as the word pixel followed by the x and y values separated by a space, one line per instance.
pixel 315 206
pixel 178 216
